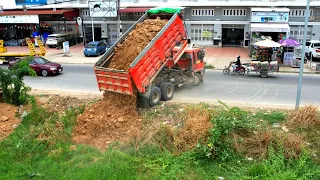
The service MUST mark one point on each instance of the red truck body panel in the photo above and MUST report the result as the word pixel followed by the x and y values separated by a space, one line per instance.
pixel 146 66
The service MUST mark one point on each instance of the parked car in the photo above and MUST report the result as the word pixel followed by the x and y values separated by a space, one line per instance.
pixel 42 66
pixel 94 48
pixel 311 49
pixel 109 45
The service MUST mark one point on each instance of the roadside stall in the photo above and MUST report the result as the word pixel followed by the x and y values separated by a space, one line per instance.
pixel 291 52
pixel 265 63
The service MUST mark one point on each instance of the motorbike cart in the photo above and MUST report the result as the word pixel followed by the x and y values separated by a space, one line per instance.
pixel 262 68
pixel 229 70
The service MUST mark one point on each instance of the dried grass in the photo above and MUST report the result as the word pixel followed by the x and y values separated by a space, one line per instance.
pixel 256 146
pixel 196 127
pixel 304 117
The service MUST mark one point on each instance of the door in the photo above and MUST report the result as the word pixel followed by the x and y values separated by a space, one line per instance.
pixel 198 61
pixel 34 66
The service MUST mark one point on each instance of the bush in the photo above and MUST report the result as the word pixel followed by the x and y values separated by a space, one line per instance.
pixel 12 85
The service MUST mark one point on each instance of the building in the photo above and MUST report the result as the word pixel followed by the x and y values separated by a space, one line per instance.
pixel 208 22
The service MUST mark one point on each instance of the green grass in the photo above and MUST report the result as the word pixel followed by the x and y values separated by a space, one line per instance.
pixel 271 117
pixel 24 156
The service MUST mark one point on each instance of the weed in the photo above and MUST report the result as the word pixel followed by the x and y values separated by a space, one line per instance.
pixel 208 66
pixel 271 117
pixel 304 117
pixel 225 122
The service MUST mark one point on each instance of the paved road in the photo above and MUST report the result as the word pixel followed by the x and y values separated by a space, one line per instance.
pixel 279 89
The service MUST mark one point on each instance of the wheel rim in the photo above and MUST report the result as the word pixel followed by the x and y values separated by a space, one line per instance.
pixel 169 91
pixel 44 73
pixel 241 72
pixel 155 97
pixel 196 79
pixel 225 71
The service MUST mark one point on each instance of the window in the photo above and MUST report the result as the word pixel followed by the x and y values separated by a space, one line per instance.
pixel 200 55
pixel 85 13
pixel 202 12
pixel 299 12
pixel 138 13
pixel 234 12
pixel 41 60
pixel 308 43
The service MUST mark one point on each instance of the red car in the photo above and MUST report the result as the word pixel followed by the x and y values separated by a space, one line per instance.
pixel 42 66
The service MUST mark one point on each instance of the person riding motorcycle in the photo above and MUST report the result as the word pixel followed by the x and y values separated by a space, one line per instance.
pixel 237 63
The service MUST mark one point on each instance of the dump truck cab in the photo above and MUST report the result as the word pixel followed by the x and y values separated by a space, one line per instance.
pixel 192 60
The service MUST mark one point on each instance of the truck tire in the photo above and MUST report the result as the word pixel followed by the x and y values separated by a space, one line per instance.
pixel 167 91
pixel 196 79
pixel 155 96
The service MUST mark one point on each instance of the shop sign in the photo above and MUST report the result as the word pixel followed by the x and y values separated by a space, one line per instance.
pixel 31 2
pixel 206 34
pixel 266 17
pixel 288 58
pixel 66 48
pixel 33 19
pixel 103 9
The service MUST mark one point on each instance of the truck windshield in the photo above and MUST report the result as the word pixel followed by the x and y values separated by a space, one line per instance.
pixel 186 56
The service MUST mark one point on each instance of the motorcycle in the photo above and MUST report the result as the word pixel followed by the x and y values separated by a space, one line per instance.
pixel 240 70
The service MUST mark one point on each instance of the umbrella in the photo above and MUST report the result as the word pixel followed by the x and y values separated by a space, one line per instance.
pixel 267 43
pixel 289 42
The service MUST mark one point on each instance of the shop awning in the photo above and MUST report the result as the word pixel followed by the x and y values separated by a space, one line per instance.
pixel 65 12
pixel 269 27
pixel 133 10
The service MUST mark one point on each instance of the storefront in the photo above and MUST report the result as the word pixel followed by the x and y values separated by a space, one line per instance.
pixel 16 25
pixel 232 34
pixel 14 28
pixel 268 23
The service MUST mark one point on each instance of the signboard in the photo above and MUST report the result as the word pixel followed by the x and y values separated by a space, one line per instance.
pixel 66 48
pixel 266 17
pixel 103 9
pixel 56 1
pixel 31 2
pixel 288 58
pixel 33 19
pixel 206 34
pixel 79 21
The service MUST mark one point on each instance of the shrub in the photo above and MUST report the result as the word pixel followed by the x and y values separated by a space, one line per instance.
pixel 12 85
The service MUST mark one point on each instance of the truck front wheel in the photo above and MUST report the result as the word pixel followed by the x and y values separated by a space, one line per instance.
pixel 155 96
pixel 167 91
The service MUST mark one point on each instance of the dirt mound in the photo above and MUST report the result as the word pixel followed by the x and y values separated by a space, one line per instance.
pixel 114 118
pixel 8 120
pixel 135 42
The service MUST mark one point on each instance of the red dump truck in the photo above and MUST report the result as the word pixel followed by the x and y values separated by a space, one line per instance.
pixel 169 60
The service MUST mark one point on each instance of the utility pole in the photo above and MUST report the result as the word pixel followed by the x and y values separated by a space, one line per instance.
pixel 303 54
pixel 119 20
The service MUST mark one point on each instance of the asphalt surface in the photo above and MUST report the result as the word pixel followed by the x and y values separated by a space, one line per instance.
pixel 278 89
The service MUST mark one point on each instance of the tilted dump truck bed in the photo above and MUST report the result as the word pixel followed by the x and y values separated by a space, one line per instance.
pixel 146 66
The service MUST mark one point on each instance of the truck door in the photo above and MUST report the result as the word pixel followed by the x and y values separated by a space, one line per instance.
pixel 198 61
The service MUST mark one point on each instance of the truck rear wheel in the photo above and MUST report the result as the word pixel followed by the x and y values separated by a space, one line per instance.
pixel 167 91
pixel 155 96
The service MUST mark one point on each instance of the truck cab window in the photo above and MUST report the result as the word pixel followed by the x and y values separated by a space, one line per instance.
pixel 200 55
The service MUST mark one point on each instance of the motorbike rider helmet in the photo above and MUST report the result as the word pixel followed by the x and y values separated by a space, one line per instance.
pixel 238 56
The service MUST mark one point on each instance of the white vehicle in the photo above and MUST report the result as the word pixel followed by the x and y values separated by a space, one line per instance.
pixel 313 48
pixel 53 39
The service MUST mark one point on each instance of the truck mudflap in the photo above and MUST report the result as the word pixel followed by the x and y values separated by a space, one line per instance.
pixel 114 80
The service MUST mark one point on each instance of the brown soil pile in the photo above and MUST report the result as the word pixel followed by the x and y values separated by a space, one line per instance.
pixel 114 118
pixel 8 120
pixel 135 42
pixel 304 117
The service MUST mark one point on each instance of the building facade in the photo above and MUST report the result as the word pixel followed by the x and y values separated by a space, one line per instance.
pixel 208 22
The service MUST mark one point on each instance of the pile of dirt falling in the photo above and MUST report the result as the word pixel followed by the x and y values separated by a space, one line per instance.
pixel 8 119
pixel 136 41
pixel 114 118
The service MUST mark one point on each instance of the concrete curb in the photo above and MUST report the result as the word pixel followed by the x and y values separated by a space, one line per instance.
pixel 220 69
